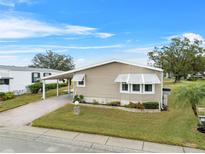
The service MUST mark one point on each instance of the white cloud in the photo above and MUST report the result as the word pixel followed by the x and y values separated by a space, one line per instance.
pixel 79 62
pixel 193 36
pixel 12 3
pixel 95 47
pixel 7 57
pixel 144 50
pixel 13 27
pixel 80 30
pixel 190 36
pixel 17 49
pixel 14 60
pixel 104 35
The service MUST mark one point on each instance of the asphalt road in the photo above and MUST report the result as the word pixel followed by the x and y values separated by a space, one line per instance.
pixel 21 143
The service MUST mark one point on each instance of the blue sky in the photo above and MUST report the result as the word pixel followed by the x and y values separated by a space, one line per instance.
pixel 95 30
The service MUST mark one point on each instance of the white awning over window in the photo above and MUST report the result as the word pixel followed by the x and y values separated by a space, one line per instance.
pixel 138 78
pixel 135 79
pixel 122 78
pixel 78 77
pixel 151 79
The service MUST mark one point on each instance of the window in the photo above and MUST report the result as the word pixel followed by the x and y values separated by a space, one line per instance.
pixel 35 76
pixel 81 83
pixel 124 87
pixel 4 81
pixel 136 88
pixel 46 74
pixel 148 88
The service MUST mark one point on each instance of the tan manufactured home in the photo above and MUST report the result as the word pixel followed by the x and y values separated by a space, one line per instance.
pixel 116 80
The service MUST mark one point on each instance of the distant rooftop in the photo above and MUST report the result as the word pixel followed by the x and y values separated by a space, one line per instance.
pixel 25 68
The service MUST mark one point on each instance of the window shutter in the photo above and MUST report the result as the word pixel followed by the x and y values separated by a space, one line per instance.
pixel 32 77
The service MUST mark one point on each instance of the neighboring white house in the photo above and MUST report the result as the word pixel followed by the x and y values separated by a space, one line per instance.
pixel 16 78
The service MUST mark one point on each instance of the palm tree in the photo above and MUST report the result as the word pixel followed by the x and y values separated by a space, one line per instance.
pixel 192 95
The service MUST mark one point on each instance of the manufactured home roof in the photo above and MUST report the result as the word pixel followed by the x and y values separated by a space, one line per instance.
pixel 24 68
pixel 64 74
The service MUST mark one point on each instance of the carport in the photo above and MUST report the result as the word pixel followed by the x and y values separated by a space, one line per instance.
pixel 62 76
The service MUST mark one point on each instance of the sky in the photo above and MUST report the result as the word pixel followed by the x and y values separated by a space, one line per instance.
pixel 95 30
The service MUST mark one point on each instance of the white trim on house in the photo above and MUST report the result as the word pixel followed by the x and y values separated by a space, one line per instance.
pixel 79 78
pixel 122 91
pixel 81 85
pixel 142 89
pixel 136 92
pixel 99 64
pixel 149 92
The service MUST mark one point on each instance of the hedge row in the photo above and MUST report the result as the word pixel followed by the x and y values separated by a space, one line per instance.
pixel 36 87
pixel 6 96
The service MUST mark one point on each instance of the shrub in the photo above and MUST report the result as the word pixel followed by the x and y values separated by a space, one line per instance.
pixel 34 88
pixel 151 105
pixel 2 94
pixel 54 85
pixel 95 102
pixel 79 98
pixel 192 78
pixel 140 106
pixel 165 108
pixel 114 103
pixel 135 105
pixel 7 96
pixel 132 105
pixel 51 86
pixel 75 98
pixel 63 85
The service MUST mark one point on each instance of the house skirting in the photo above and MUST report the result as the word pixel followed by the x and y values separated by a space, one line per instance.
pixel 107 100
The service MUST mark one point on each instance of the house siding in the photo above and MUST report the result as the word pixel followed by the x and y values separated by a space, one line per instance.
pixel 20 80
pixel 99 83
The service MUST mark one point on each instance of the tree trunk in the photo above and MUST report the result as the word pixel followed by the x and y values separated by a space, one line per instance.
pixel 194 110
pixel 177 79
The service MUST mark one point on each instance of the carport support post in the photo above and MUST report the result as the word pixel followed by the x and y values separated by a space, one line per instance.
pixel 68 86
pixel 57 87
pixel 44 90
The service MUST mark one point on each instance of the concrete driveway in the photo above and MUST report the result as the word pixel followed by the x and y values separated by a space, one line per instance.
pixel 26 114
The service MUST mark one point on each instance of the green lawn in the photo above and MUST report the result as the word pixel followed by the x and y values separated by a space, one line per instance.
pixel 26 98
pixel 176 126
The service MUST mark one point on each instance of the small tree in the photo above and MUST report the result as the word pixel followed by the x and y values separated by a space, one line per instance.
pixel 191 95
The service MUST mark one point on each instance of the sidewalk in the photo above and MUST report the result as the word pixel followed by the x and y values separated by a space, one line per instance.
pixel 91 141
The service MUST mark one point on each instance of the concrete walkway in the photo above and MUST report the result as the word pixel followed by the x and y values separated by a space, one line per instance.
pixel 81 142
pixel 27 113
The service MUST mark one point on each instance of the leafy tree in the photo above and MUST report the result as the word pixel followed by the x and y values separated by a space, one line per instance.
pixel 53 60
pixel 192 95
pixel 181 57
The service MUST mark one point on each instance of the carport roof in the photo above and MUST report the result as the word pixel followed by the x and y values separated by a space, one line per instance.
pixel 69 74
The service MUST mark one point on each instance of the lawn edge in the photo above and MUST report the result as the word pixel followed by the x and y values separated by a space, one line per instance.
pixel 111 135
